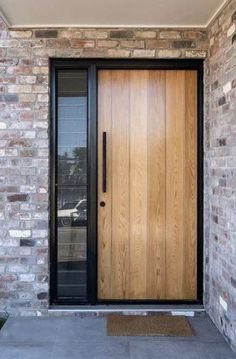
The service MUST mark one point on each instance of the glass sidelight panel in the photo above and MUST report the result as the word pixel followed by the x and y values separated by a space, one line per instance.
pixel 71 184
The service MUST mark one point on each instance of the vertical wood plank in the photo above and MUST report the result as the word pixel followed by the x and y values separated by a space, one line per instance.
pixel 104 213
pixel 120 184
pixel 147 231
pixel 175 132
pixel 190 187
pixel 138 183
pixel 156 266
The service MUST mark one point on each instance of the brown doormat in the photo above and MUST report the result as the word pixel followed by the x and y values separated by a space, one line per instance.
pixel 158 325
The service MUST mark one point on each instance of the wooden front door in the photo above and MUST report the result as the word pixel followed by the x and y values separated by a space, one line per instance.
pixel 147 185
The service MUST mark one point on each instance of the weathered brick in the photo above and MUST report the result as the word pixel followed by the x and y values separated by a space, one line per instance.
pixel 183 44
pixel 21 34
pixel 24 52
pixel 46 33
pixel 27 278
pixel 27 79
pixel 19 88
pixel 222 101
pixel 9 189
pixel 195 35
pixel 196 54
pixel 121 34
pixel 146 34
pixel 3 125
pixel 220 164
pixel 214 85
pixel 166 54
pixel 9 43
pixel 82 44
pixel 2 52
pixel 133 44
pixel 107 43
pixel 42 295
pixel 95 34
pixel 18 233
pixel 8 277
pixel 39 88
pixel 170 35
pixel 27 242
pixel 143 53
pixel 18 197
pixel 233 282
pixel 26 97
pixel 10 98
pixel 5 61
pixel 70 34
pixel 19 69
pixel 157 44
pixel 40 70
pixel 231 30
pixel 17 268
pixel 118 53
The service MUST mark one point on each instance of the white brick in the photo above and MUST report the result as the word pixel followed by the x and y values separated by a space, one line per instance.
pixel 3 125
pixel 95 34
pixel 195 54
pixel 17 233
pixel 27 277
pixel 144 53
pixel 169 54
pixel 146 34
pixel 17 269
pixel 40 233
pixel 19 88
pixel 28 80
pixel 43 98
pixel 20 34
pixel 231 30
pixel 224 304
pixel 227 87
pixel 27 189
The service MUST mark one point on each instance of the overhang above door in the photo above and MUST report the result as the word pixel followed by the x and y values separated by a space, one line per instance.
pixel 110 13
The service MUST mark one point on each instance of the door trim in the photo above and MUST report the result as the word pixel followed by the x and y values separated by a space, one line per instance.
pixel 92 66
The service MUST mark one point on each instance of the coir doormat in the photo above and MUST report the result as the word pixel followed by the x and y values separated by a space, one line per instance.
pixel 158 325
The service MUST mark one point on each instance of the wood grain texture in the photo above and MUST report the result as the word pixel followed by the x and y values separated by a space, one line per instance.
pixel 156 186
pixel 147 236
pixel 105 218
pixel 138 178
pixel 175 127
pixel 190 187
pixel 120 184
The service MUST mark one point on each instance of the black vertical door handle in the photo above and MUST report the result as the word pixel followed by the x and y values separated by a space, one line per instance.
pixel 104 162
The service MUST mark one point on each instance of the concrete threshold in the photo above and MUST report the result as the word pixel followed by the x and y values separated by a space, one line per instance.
pixel 127 309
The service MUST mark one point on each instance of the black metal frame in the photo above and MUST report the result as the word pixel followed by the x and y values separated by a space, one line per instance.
pixel 92 66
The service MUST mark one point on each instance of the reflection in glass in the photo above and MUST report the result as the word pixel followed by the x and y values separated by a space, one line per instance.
pixel 72 184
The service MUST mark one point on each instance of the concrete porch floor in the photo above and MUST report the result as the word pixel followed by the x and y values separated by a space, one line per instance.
pixel 85 338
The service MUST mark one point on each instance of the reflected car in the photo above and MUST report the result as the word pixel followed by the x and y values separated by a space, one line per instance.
pixel 79 218
pixel 72 213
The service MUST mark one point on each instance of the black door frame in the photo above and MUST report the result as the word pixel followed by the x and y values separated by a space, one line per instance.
pixel 93 66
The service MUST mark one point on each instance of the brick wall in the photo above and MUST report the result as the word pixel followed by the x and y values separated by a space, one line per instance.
pixel 24 151
pixel 24 139
pixel 220 168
